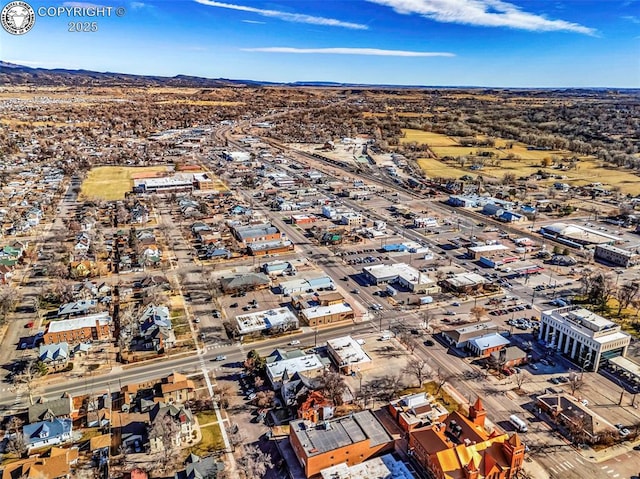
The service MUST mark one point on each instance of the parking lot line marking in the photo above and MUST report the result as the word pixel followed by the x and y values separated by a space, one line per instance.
pixel 579 460
pixel 605 467
pixel 616 475
pixel 552 470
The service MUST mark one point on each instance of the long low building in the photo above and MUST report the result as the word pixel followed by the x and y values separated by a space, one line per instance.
pixel 403 274
pixel 306 285
pixel 264 321
pixel 95 327
pixel 331 313
pixel 583 336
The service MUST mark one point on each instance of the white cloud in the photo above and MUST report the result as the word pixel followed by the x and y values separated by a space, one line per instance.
pixel 254 22
pixel 487 13
pixel 138 5
pixel 350 51
pixel 632 19
pixel 287 17
pixel 82 5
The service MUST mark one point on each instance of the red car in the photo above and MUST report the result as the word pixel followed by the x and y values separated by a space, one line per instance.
pixel 29 324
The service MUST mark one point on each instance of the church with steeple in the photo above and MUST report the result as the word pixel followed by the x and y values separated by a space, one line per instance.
pixel 460 447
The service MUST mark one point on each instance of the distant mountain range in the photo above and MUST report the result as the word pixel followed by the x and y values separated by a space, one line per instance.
pixel 13 74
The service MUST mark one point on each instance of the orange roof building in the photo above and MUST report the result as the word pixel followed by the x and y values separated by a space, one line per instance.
pixel 460 448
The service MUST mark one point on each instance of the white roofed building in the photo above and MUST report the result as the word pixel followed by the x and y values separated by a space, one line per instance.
pixel 583 336
pixel 348 355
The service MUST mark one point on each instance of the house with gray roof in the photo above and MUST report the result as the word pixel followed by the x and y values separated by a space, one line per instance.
pixel 56 408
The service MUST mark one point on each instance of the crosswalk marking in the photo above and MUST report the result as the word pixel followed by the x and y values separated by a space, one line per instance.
pixel 604 467
pixel 616 475
pixel 552 470
pixel 579 460
pixel 569 465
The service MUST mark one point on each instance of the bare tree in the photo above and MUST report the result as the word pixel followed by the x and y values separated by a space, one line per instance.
pixel 334 386
pixel 16 443
pixel 418 369
pixel 520 378
pixel 442 378
pixel 409 342
pixel 575 382
pixel 165 431
pixel 235 435
pixel 253 462
pixel 478 312
pixel 625 295
pixel 264 399
pixel 9 298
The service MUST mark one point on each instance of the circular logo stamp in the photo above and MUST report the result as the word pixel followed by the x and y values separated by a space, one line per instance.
pixel 17 18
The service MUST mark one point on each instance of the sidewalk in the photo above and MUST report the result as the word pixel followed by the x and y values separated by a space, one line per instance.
pixel 609 453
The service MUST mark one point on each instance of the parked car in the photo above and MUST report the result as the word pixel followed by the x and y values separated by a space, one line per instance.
pixel 196 320
pixel 221 357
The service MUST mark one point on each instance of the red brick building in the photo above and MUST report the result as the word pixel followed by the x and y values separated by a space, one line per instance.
pixel 95 327
pixel 460 448
pixel 349 439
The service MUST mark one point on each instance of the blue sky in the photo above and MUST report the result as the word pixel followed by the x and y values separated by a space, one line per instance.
pixel 515 43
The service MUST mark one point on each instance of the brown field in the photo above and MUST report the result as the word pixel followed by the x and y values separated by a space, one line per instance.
pixel 436 168
pixel 427 137
pixel 58 124
pixel 588 170
pixel 112 182
pixel 202 102
pixel 402 114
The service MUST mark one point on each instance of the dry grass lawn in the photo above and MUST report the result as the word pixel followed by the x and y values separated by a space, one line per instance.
pixel 112 182
pixel 438 169
pixel 589 169
pixel 211 441
pixel 428 137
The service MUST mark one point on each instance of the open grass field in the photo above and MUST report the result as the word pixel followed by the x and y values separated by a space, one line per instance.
pixel 589 171
pixel 526 162
pixel 112 182
pixel 428 137
pixel 437 169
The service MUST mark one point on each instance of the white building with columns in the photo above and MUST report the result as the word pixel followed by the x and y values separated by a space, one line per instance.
pixel 583 336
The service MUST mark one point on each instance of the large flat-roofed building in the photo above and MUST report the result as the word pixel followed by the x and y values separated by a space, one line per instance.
pixel 264 321
pixel 583 336
pixel 466 283
pixel 403 274
pixel 95 327
pixel 386 467
pixel 350 439
pixel 331 313
pixel 256 233
pixel 167 184
pixel 306 284
pixel 485 250
pixel 614 255
pixel 351 219
pixel 348 355
pixel 575 235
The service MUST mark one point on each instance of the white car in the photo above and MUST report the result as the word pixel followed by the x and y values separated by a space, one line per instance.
pixel 295 342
